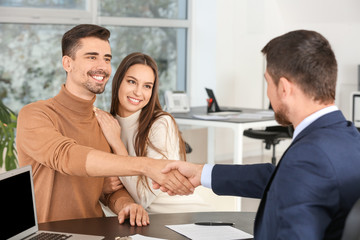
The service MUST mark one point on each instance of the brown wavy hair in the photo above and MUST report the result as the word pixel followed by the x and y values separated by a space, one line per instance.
pixel 149 114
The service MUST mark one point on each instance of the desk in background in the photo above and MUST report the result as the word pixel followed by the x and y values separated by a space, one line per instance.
pixel 237 124
pixel 110 227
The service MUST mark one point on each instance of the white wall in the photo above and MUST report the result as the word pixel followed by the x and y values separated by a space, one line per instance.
pixel 228 35
pixel 243 27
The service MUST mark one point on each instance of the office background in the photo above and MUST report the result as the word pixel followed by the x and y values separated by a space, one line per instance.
pixel 223 53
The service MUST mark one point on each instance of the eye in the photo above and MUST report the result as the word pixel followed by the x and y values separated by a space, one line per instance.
pixel 92 57
pixel 131 82
pixel 148 86
pixel 108 60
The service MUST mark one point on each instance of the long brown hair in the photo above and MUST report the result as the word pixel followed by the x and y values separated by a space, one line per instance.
pixel 150 113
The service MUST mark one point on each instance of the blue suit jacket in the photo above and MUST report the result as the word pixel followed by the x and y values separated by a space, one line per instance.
pixel 311 191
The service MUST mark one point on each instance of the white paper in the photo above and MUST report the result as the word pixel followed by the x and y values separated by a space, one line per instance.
pixel 211 117
pixel 199 232
pixel 141 237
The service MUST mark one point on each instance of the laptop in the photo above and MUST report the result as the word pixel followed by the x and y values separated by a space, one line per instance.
pixel 215 106
pixel 18 211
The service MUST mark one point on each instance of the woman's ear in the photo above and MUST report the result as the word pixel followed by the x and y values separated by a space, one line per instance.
pixel 66 62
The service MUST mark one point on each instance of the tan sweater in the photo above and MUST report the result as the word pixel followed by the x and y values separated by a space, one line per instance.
pixel 54 137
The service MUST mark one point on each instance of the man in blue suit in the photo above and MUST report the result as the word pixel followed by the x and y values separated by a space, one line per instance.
pixel 317 180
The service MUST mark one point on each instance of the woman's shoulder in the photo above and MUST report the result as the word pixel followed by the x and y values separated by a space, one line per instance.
pixel 164 120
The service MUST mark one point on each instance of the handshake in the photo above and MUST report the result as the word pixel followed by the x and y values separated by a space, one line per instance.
pixel 177 177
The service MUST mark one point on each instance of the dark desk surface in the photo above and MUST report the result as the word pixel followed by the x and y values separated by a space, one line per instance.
pixel 110 227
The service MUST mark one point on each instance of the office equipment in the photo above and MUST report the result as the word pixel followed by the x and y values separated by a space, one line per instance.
pixel 215 223
pixel 176 101
pixel 355 108
pixel 213 106
pixel 352 223
pixel 110 228
pixel 18 213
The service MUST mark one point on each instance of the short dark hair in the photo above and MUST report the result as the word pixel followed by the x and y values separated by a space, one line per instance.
pixel 71 39
pixel 305 58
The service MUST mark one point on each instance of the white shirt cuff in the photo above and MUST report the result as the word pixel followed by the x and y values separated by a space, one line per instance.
pixel 206 175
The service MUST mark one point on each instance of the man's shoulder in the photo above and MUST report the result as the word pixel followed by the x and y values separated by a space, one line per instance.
pixel 40 105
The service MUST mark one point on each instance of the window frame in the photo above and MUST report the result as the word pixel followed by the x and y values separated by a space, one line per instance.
pixel 90 15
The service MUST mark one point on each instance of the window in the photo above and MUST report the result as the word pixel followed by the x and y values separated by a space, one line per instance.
pixel 31 32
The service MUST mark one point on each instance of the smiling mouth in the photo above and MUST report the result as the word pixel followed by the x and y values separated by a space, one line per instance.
pixel 98 76
pixel 134 100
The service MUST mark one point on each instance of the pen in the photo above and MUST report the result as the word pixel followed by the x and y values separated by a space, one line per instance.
pixel 216 223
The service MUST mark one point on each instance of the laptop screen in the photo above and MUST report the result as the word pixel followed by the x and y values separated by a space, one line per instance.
pixel 17 204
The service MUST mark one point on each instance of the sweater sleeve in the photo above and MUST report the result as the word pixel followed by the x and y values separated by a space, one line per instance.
pixel 38 139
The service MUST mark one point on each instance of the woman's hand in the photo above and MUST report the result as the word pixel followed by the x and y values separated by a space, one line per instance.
pixel 111 130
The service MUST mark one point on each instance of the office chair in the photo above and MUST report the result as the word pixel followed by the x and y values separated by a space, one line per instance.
pixel 188 148
pixel 352 229
pixel 271 136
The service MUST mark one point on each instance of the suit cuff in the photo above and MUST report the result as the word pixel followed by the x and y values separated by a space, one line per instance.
pixel 206 175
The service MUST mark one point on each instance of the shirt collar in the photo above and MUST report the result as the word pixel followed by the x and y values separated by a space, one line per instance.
pixel 310 119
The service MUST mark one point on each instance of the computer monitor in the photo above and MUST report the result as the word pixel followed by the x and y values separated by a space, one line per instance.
pixel 355 111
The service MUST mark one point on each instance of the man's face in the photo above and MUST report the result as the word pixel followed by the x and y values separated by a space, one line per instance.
pixel 280 109
pixel 91 68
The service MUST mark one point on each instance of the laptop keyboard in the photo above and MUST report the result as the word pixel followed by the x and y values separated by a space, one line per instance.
pixel 52 236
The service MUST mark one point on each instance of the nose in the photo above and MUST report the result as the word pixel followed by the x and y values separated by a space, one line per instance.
pixel 137 90
pixel 104 65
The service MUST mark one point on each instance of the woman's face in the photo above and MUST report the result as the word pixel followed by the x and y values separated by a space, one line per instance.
pixel 135 89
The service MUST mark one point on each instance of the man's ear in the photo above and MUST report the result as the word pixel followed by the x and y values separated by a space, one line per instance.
pixel 67 63
pixel 285 87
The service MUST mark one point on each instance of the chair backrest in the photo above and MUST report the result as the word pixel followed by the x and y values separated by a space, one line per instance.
pixel 352 224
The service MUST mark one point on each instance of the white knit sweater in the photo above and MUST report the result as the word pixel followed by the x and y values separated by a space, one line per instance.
pixel 162 135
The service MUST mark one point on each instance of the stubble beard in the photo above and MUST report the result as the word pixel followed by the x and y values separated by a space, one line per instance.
pixel 94 87
pixel 281 116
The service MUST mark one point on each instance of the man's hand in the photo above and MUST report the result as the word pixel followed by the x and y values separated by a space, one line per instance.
pixel 112 184
pixel 189 170
pixel 123 204
pixel 136 214
pixel 172 180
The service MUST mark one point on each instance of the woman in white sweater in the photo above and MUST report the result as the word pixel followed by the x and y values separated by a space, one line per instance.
pixel 145 130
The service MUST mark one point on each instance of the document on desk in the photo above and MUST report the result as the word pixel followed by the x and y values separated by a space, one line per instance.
pixel 244 115
pixel 200 232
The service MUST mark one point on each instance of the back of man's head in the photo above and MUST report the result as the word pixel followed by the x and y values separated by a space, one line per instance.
pixel 71 39
pixel 305 58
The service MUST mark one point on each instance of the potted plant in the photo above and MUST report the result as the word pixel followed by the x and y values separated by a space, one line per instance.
pixel 8 153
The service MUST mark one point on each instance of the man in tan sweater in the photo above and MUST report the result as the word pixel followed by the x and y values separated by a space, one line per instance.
pixel 62 141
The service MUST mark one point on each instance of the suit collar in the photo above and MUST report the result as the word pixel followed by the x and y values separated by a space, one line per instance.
pixel 324 121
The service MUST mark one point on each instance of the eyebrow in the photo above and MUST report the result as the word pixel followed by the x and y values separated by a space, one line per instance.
pixel 97 54
pixel 134 78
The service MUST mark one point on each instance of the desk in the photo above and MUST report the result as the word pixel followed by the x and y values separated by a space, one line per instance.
pixel 237 124
pixel 110 227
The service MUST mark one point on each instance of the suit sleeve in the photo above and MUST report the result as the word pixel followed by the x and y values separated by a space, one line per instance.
pixel 241 180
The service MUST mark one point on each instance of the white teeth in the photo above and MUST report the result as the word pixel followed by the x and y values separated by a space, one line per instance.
pixel 134 100
pixel 98 78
